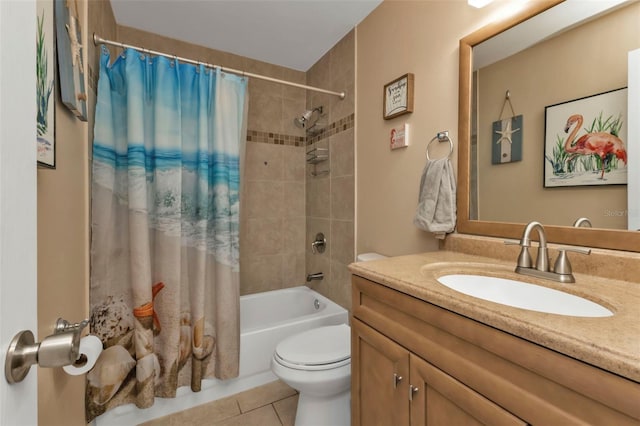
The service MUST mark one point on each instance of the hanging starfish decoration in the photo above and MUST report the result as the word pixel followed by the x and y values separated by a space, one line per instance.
pixel 506 133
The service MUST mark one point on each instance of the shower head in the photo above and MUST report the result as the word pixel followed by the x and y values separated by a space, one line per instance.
pixel 308 119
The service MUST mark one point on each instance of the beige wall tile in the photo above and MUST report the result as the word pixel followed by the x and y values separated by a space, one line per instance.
pixel 293 199
pixel 265 112
pixel 263 161
pixel 341 150
pixel 294 162
pixel 320 73
pixel 342 241
pixel 264 199
pixel 341 108
pixel 342 198
pixel 341 284
pixel 293 230
pixel 293 269
pixel 264 236
pixel 260 273
pixel 341 59
pixel 318 197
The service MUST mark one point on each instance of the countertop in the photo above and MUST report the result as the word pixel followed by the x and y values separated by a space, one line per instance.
pixel 611 343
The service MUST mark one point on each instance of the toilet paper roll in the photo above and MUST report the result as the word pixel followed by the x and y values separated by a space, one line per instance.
pixel 90 347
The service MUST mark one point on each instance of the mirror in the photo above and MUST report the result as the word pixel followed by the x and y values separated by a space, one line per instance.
pixel 471 115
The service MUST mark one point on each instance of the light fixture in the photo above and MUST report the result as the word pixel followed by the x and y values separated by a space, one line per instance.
pixel 478 3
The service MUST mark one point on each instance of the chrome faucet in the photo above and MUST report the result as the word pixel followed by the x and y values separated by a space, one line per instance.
pixel 583 221
pixel 542 260
pixel 316 276
pixel 562 269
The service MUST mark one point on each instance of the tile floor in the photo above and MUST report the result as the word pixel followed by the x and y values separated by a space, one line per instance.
pixel 273 404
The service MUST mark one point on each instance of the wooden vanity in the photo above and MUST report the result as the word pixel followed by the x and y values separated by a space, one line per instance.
pixel 424 354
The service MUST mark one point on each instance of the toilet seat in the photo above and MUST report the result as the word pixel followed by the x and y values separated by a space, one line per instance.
pixel 321 348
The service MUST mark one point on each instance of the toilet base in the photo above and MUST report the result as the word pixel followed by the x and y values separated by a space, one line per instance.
pixel 333 410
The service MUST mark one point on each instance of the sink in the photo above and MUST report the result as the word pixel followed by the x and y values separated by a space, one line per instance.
pixel 523 295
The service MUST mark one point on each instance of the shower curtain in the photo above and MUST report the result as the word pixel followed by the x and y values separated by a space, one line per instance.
pixel 164 295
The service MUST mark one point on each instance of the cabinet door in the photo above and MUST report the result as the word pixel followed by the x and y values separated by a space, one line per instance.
pixel 379 379
pixel 439 399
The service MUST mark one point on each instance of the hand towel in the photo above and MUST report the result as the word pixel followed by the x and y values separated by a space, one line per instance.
pixel 436 210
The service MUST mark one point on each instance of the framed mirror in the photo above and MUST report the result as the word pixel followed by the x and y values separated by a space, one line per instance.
pixel 515 187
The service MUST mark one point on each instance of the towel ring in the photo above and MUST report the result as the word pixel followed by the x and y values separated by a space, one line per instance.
pixel 441 137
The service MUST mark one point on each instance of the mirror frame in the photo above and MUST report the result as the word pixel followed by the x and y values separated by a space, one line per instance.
pixel 587 237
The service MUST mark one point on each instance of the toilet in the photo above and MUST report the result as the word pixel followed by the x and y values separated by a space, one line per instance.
pixel 317 363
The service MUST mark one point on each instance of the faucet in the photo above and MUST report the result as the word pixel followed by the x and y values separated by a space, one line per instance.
pixel 562 268
pixel 542 260
pixel 316 276
pixel 583 221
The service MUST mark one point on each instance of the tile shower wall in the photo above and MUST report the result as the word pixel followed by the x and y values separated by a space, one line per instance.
pixel 282 202
pixel 330 196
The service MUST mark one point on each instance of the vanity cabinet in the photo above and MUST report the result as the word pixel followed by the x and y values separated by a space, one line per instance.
pixel 396 387
pixel 414 363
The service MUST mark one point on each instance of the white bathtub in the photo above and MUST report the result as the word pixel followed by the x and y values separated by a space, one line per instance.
pixel 265 319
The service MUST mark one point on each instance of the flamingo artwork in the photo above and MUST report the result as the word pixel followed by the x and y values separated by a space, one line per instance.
pixel 601 144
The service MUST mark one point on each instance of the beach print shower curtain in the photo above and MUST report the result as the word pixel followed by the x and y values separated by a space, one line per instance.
pixel 164 294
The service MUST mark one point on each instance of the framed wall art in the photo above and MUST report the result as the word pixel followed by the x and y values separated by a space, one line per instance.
pixel 585 141
pixel 45 84
pixel 398 97
pixel 70 58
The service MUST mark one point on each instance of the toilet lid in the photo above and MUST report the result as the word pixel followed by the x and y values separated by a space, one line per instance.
pixel 318 346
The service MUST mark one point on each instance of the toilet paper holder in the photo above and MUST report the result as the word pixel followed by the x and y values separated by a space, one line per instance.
pixel 57 350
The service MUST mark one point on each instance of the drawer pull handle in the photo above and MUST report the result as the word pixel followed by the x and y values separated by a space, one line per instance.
pixel 412 390
pixel 396 380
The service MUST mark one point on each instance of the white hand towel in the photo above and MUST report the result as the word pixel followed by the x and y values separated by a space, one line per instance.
pixel 436 210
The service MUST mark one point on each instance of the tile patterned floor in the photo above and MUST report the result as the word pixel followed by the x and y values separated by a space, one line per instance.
pixel 273 404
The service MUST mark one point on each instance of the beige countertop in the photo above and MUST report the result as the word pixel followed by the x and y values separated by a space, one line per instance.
pixel 611 343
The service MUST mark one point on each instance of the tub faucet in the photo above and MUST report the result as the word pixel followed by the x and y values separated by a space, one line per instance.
pixel 316 276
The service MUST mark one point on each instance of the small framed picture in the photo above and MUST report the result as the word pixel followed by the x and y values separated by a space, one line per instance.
pixel 398 97
pixel 45 84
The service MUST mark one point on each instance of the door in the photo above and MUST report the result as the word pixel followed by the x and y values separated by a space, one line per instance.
pixel 379 379
pixel 18 288
pixel 440 400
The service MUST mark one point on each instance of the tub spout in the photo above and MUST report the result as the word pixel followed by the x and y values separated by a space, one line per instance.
pixel 316 276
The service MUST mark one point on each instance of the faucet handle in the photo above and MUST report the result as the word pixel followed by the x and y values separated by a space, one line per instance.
pixel 562 265
pixel 524 258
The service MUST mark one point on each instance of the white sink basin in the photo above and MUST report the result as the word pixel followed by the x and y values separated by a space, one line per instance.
pixel 524 295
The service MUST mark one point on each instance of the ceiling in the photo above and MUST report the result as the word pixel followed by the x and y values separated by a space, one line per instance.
pixel 290 33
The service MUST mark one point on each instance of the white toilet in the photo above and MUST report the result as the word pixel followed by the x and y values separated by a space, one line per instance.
pixel 317 363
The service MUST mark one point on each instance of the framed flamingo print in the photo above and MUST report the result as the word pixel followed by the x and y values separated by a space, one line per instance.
pixel 585 141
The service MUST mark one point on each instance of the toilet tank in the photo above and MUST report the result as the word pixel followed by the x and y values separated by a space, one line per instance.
pixel 363 257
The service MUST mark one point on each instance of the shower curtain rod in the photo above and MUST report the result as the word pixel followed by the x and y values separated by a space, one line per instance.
pixel 99 40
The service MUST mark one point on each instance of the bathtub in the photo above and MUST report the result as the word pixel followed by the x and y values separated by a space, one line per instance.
pixel 265 319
